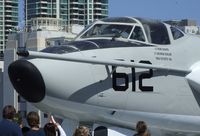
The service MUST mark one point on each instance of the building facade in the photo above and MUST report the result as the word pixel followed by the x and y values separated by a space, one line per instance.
pixel 8 21
pixel 81 12
pixel 186 25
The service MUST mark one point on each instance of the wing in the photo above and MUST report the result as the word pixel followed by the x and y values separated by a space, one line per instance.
pixel 194 81
pixel 192 74
pixel 91 60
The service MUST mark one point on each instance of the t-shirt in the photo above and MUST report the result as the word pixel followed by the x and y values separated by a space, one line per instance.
pixel 136 135
pixel 39 132
pixel 9 128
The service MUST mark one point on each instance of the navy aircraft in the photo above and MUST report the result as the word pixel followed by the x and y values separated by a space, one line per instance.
pixel 117 71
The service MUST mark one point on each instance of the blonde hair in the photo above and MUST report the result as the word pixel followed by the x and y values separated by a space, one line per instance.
pixel 81 131
pixel 33 119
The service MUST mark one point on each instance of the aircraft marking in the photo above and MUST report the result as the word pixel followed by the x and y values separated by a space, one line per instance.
pixel 163 54
pixel 125 77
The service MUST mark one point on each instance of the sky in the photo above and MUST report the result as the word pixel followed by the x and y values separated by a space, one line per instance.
pixel 21 14
pixel 156 9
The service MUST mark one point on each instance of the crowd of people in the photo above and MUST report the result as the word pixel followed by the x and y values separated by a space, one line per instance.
pixel 12 125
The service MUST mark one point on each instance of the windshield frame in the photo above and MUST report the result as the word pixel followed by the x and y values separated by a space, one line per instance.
pixel 80 36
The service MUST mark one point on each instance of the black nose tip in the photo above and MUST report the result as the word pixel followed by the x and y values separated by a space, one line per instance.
pixel 27 80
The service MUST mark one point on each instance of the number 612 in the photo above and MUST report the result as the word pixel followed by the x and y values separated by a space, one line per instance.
pixel 142 76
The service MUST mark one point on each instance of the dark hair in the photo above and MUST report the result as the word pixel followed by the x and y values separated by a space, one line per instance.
pixel 50 129
pixel 9 112
pixel 33 119
pixel 141 127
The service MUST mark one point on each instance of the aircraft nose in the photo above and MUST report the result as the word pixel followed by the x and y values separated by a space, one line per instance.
pixel 27 80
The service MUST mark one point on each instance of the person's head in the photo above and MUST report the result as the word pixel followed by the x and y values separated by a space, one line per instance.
pixel 141 127
pixel 33 119
pixel 9 112
pixel 50 129
pixel 81 131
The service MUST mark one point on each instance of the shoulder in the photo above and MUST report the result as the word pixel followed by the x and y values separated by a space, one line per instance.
pixel 4 121
pixel 10 128
pixel 39 132
pixel 11 124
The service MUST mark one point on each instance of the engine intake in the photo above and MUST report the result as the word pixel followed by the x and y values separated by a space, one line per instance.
pixel 27 80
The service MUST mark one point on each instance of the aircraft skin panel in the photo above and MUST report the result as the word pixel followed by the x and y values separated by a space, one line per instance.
pixel 124 118
pixel 90 90
pixel 108 75
pixel 65 84
pixel 194 81
pixel 136 100
pixel 129 93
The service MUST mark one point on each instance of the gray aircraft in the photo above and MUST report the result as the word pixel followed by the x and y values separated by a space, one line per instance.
pixel 117 71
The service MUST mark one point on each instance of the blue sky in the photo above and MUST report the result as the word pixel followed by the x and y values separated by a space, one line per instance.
pixel 156 9
pixel 21 22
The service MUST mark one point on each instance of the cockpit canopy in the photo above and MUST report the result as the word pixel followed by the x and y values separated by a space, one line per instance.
pixel 131 29
pixel 108 30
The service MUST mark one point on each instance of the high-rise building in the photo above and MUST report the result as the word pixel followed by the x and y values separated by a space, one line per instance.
pixel 81 12
pixel 8 20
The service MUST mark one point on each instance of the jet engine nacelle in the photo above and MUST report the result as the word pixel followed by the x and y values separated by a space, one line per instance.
pixel 34 79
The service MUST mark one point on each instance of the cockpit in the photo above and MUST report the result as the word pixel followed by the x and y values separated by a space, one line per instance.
pixel 108 30
pixel 120 31
pixel 131 29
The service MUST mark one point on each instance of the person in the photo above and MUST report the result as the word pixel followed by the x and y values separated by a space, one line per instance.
pixel 53 128
pixel 141 129
pixel 7 126
pixel 81 131
pixel 34 121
